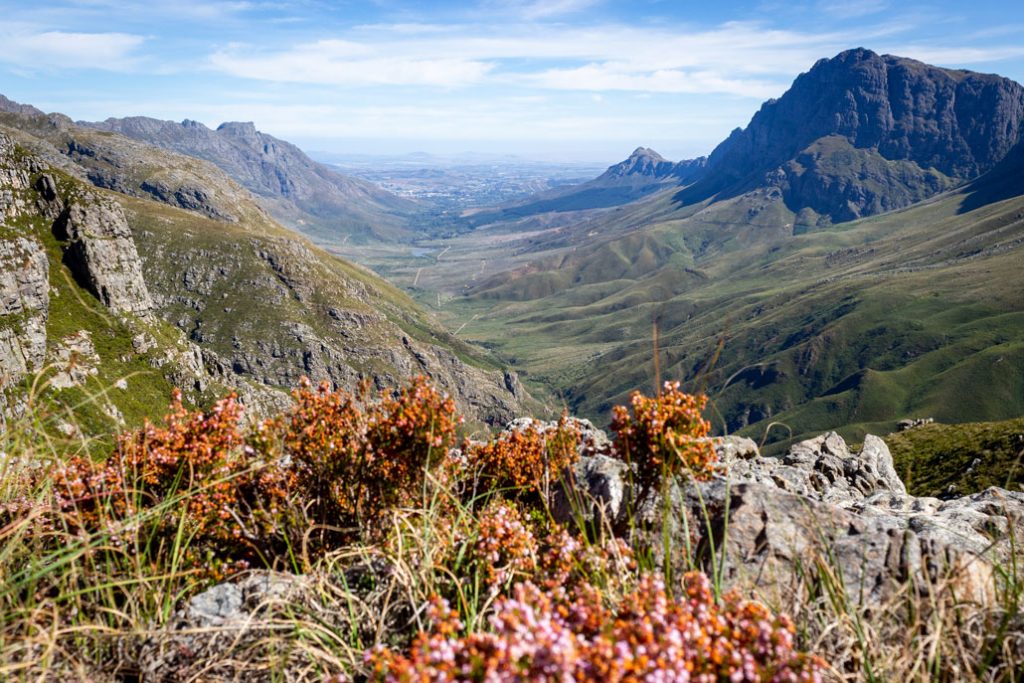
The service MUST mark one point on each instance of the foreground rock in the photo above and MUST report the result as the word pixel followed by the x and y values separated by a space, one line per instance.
pixel 245 629
pixel 820 513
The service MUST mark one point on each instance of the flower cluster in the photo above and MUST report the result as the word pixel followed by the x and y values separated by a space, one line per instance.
pixel 355 459
pixel 527 460
pixel 665 436
pixel 648 636
pixel 335 463
pixel 504 548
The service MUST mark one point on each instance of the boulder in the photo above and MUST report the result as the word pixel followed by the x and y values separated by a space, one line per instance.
pixel 820 513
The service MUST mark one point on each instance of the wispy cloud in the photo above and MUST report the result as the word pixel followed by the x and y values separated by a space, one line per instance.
pixel 543 9
pixel 40 50
pixel 847 9
pixel 346 63
pixel 738 58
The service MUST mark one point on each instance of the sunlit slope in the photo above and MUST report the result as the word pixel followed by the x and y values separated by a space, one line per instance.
pixel 919 311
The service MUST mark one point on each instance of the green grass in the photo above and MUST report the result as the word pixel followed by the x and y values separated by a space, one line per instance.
pixel 968 457
pixel 851 326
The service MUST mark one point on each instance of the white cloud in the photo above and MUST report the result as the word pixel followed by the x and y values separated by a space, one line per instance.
pixel 63 49
pixel 738 58
pixel 344 63
pixel 536 10
pixel 956 56
pixel 613 76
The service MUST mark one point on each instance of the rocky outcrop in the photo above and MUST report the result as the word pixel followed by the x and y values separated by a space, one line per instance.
pixel 820 508
pixel 24 307
pixel 102 254
pixel 24 280
pixel 862 133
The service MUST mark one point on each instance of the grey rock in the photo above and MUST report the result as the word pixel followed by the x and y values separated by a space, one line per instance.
pixel 596 492
pixel 24 307
pixel 824 469
pixel 214 607
pixel 820 510
pixel 76 360
pixel 911 423
pixel 102 253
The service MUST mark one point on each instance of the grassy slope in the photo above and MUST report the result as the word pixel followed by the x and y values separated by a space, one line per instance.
pixel 857 325
pixel 970 456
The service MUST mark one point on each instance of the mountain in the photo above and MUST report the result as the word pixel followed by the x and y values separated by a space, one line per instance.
pixel 129 269
pixel 766 288
pixel 297 191
pixel 643 173
pixel 860 134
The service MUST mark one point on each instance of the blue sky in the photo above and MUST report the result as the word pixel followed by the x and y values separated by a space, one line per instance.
pixel 570 79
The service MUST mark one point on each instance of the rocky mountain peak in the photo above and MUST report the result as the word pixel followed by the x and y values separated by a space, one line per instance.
pixel 642 162
pixel 240 129
pixel 12 107
pixel 830 141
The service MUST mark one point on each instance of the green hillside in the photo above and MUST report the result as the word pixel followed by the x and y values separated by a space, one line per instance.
pixel 851 326
pixel 946 459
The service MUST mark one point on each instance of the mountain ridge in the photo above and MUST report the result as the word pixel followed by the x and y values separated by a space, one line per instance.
pixel 300 192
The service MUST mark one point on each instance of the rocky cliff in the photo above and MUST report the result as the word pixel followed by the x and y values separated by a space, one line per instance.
pixel 861 133
pixel 101 252
pixel 255 306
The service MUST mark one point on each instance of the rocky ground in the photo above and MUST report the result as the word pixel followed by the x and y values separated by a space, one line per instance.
pixel 760 524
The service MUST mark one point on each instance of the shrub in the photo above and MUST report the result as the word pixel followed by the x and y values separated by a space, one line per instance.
pixel 527 460
pixel 354 460
pixel 664 437
pixel 648 635
pixel 335 463
pixel 198 478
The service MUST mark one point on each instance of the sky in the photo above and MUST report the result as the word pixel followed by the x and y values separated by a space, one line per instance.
pixel 573 80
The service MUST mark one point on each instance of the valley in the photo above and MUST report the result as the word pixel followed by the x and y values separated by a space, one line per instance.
pixel 793 320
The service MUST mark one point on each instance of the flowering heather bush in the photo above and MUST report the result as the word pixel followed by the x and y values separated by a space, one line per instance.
pixel 333 461
pixel 529 459
pixel 664 436
pixel 504 547
pixel 199 469
pixel 647 636
pixel 354 462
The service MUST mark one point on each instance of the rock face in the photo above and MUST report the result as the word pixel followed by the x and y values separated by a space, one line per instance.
pixel 102 254
pixel 862 133
pixel 24 277
pixel 821 507
pixel 24 306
